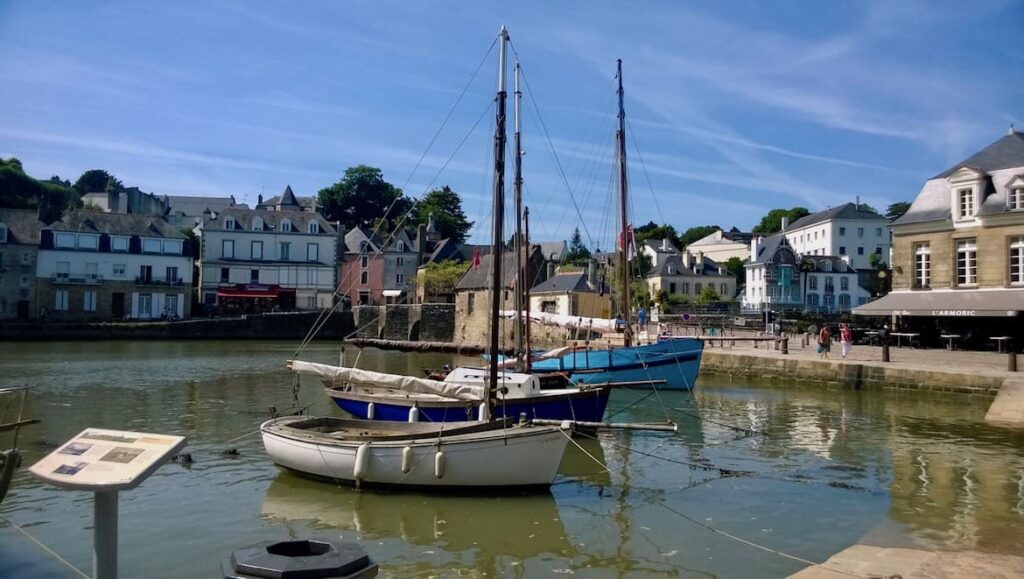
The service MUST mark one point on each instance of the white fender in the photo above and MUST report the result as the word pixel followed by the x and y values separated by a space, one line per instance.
pixel 362 461
pixel 370 408
pixel 414 414
pixel 484 415
pixel 406 459
pixel 439 464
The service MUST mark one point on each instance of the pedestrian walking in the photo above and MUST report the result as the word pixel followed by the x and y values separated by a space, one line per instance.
pixel 641 317
pixel 845 339
pixel 824 342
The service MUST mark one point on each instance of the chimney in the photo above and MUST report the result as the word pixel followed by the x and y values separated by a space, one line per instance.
pixel 858 203
pixel 686 259
pixel 421 243
pixel 259 199
pixel 700 262
pixel 755 244
pixel 551 269
pixel 664 244
pixel 721 270
pixel 592 273
pixel 785 223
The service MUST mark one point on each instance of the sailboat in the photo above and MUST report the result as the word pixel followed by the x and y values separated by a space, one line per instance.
pixel 488 453
pixel 536 395
pixel 670 364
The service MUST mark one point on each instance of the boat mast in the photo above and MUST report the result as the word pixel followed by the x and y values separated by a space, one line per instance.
pixel 620 137
pixel 522 285
pixel 526 286
pixel 498 214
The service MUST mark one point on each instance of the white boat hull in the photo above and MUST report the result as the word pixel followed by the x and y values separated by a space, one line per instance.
pixel 512 457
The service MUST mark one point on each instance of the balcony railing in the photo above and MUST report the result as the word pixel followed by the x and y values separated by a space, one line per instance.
pixel 158 281
pixel 87 278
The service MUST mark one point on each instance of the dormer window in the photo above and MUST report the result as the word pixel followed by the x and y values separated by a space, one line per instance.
pixel 314 227
pixel 229 223
pixel 965 202
pixel 401 246
pixel 1016 201
pixel 827 266
pixel 286 225
pixel 257 224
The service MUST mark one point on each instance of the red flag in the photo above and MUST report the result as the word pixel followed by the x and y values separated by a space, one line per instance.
pixel 631 251
pixel 476 258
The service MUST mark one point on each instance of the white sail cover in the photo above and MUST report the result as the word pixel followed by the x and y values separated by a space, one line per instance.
pixel 371 379
pixel 599 325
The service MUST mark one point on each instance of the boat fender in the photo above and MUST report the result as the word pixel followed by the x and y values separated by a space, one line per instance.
pixel 370 410
pixel 362 461
pixel 566 425
pixel 439 464
pixel 406 459
pixel 414 414
pixel 484 414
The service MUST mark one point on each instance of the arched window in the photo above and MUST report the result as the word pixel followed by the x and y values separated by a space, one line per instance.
pixel 229 223
pixel 257 224
pixel 286 225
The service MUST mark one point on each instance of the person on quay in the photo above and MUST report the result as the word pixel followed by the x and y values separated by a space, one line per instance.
pixel 845 339
pixel 824 342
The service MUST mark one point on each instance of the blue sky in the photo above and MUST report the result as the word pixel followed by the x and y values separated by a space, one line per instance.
pixel 734 107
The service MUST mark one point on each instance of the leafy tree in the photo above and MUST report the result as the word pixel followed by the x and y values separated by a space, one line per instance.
pixel 876 262
pixel 19 191
pixel 708 295
pixel 896 210
pixel 56 200
pixel 772 221
pixel 694 233
pixel 362 198
pixel 439 279
pixel 652 230
pixel 578 252
pixel 92 181
pixel 734 265
pixel 868 208
pixel 446 207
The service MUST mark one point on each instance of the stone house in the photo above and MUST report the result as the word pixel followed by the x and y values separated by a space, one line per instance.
pixel 577 293
pixel 473 294
pixel 19 248
pixel 379 268
pixel 94 265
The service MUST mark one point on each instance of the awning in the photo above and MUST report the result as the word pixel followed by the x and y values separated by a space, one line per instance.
pixel 252 291
pixel 392 293
pixel 947 303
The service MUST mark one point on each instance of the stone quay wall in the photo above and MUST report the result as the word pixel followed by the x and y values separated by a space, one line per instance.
pixel 418 322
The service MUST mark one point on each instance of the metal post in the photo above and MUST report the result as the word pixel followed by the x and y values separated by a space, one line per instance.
pixel 885 348
pixel 785 346
pixel 1011 361
pixel 104 553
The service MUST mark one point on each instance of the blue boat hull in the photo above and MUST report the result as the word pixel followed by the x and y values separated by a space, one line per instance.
pixel 586 405
pixel 670 364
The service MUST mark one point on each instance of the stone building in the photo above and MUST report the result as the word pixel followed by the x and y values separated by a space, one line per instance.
pixel 686 275
pixel 473 295
pixel 577 293
pixel 94 265
pixel 19 248
pixel 379 268
pixel 958 252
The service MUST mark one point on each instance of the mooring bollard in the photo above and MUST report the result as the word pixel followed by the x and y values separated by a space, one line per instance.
pixel 785 346
pixel 1011 362
pixel 885 350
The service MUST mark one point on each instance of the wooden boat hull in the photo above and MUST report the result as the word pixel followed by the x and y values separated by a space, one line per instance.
pixel 583 405
pixel 479 455
pixel 669 365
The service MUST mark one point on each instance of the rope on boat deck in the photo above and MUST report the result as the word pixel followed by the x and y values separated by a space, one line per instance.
pixel 42 546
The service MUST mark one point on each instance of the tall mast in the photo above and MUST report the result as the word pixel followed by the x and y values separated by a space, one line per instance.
pixel 522 284
pixel 526 286
pixel 620 137
pixel 498 211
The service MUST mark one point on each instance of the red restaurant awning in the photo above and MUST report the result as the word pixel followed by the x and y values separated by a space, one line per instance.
pixel 252 291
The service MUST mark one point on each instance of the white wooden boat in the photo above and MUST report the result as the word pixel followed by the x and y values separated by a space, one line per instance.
pixel 493 454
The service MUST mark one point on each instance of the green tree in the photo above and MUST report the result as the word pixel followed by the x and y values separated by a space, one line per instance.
pixel 772 221
pixel 362 198
pixel 94 180
pixel 439 279
pixel 896 210
pixel 868 208
pixel 446 207
pixel 17 190
pixel 734 265
pixel 708 295
pixel 578 252
pixel 694 233
pixel 652 230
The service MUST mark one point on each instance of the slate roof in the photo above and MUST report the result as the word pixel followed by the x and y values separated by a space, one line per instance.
pixel 23 225
pixel 768 247
pixel 655 245
pixel 480 277
pixel 195 206
pixel 837 263
pixel 83 221
pixel 844 211
pixel 673 265
pixel 288 198
pixel 271 220
pixel 1002 162
pixel 553 250
pixel 356 235
pixel 562 283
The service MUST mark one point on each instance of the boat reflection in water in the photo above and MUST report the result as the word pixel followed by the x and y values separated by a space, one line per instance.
pixel 492 528
pixel 585 463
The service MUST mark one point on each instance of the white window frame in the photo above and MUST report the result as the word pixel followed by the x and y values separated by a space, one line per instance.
pixel 965 202
pixel 227 248
pixel 967 262
pixel 172 246
pixel 89 301
pixel 147 300
pixel 401 246
pixel 65 240
pixel 1016 258
pixel 922 265
pixel 119 244
pixel 63 270
pixel 256 250
pixel 1016 200
pixel 286 225
pixel 151 245
pixel 171 273
pixel 257 224
pixel 60 300
pixel 399 278
pixel 312 252
pixel 314 227
pixel 119 269
pixel 229 223
pixel 285 250
pixel 844 284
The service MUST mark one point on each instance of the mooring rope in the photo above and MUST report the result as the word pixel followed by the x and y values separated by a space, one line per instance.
pixel 42 546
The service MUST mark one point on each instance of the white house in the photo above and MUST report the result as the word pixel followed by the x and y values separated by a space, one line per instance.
pixel 722 245
pixel 659 250
pixel 96 265
pixel 257 260
pixel 845 230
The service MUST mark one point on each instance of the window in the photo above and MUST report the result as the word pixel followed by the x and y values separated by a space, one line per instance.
pixel 1017 260
pixel 151 246
pixel 966 262
pixel 844 301
pixel 400 278
pixel 364 261
pixel 878 250
pixel 549 306
pixel 286 250
pixel 225 274
pixel 812 299
pixel 145 306
pixel 1016 199
pixel 89 301
pixel 922 265
pixel 401 246
pixel 63 269
pixel 229 223
pixel 878 232
pixel 257 224
pixel 314 227
pixel 470 298
pixel 965 203
pixel 815 235
pixel 812 282
pixel 66 240
pixel 227 249
pixel 118 270
pixel 257 250
pixel 828 301
pixel 26 258
pixel 844 284
pixel 829 286
pixel 686 288
pixel 171 304
pixel 399 261
pixel 286 225
pixel 254 276
pixel 860 232
pixel 172 246
pixel 725 290
pixel 60 300
pixel 364 278
pixel 312 252
pixel 860 250
pixel 92 271
pixel 119 244
pixel 842 250
pixel 671 288
pixel 842 231
pixel 827 266
pixel 172 275
pixel 146 273
pixel 697 287
pixel 311 278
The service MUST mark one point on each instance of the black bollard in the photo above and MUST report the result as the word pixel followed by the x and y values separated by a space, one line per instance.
pixel 885 350
pixel 785 346
pixel 1011 362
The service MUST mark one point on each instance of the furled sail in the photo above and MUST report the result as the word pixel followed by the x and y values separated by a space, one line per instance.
pixel 371 379
pixel 599 325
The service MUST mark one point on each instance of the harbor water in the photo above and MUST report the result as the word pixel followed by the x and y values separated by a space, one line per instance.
pixel 797 472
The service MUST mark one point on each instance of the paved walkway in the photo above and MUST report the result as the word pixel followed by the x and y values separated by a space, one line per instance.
pixel 885 562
